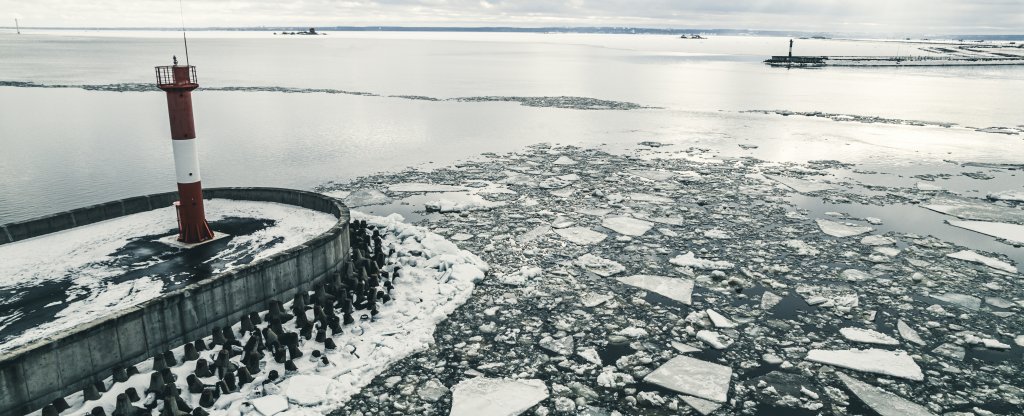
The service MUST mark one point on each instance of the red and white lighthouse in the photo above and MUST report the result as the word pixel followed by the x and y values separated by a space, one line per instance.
pixel 178 81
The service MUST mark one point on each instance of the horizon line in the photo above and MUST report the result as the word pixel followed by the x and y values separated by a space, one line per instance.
pixel 534 29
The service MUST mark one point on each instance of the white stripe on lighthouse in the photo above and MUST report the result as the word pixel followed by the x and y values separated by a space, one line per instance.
pixel 186 160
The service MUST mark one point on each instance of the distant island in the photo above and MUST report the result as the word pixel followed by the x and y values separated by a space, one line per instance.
pixel 311 31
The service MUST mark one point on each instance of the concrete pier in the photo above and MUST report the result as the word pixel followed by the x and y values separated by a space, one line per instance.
pixel 36 374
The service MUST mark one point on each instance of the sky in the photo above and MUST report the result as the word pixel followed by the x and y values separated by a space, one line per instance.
pixel 843 16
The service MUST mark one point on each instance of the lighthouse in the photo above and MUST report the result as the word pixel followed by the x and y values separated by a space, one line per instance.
pixel 178 81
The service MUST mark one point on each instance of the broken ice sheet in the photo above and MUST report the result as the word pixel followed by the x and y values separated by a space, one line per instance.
pixel 561 346
pixel 908 333
pixel 892 363
pixel 975 209
pixel 973 257
pixel 496 397
pixel 599 266
pixel 838 229
pixel 949 350
pixel 959 299
pixel 679 290
pixel 704 407
pixel 801 185
pixel 1013 233
pixel 641 197
pixel 564 161
pixel 1017 196
pixel 714 339
pixel 867 336
pixel 654 175
pixel 591 300
pixel 581 235
pixel 881 401
pixel 627 225
pixel 769 300
pixel 534 234
pixel 365 197
pixel 877 240
pixel 459 202
pixel 684 348
pixel 829 296
pixel 425 187
pixel 720 321
pixel 690 260
pixel 691 376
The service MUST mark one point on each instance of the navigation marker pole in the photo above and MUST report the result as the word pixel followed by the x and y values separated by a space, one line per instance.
pixel 178 81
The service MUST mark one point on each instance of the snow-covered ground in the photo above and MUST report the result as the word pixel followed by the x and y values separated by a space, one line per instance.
pixel 87 262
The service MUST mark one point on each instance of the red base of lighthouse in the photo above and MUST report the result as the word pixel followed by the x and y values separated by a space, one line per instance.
pixel 192 225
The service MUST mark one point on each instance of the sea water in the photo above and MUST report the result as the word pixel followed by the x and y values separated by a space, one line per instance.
pixel 361 102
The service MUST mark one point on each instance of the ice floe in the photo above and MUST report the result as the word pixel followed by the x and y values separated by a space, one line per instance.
pixel 690 260
pixel 908 333
pixel 949 350
pixel 365 197
pixel 769 300
pixel 959 299
pixel 877 240
pixel 838 229
pixel 627 225
pixel 1017 196
pixel 694 377
pixel 867 336
pixel 714 339
pixel 974 257
pixel 561 346
pixel 564 161
pixel 676 289
pixel 801 185
pixel 599 266
pixel 975 209
pixel 460 203
pixel 881 401
pixel 642 197
pixel 496 397
pixel 684 348
pixel 425 187
pixel 702 406
pixel 892 363
pixel 581 235
pixel 1013 233
pixel 720 321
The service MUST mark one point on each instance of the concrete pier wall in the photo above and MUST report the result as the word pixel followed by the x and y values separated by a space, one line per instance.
pixel 36 374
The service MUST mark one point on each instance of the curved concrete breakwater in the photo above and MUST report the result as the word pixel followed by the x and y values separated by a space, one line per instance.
pixel 38 373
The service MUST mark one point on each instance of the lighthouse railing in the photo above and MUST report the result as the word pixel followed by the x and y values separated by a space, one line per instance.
pixel 165 75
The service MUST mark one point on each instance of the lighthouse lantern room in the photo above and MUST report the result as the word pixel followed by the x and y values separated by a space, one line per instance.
pixel 178 81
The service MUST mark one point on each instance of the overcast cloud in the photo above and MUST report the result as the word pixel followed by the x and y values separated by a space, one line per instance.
pixel 879 16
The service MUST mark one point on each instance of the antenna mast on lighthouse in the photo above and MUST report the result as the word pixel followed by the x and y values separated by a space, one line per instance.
pixel 178 81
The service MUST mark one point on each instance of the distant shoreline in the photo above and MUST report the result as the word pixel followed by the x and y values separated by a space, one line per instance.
pixel 581 30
